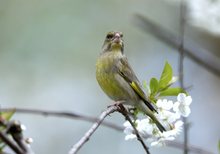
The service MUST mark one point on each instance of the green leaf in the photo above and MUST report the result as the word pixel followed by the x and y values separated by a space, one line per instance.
pixel 166 76
pixel 172 91
pixel 7 115
pixel 146 87
pixel 144 83
pixel 154 86
pixel 219 146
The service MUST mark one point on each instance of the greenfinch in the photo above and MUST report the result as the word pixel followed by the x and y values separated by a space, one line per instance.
pixel 117 79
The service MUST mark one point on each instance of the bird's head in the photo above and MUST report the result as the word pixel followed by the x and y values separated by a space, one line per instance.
pixel 113 42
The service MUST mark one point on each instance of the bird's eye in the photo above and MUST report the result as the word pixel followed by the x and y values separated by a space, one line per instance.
pixel 121 35
pixel 109 36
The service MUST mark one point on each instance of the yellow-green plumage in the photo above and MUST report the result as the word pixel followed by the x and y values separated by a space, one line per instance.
pixel 117 79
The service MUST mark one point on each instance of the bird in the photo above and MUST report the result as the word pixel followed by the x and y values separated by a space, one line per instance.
pixel 118 80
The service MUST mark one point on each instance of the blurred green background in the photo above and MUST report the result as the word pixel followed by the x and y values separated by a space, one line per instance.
pixel 48 51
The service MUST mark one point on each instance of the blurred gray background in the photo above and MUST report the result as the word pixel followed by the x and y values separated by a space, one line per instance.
pixel 48 51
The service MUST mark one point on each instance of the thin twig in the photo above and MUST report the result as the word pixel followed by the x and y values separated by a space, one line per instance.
pixel 124 112
pixel 89 133
pixel 71 115
pixel 181 68
pixel 10 143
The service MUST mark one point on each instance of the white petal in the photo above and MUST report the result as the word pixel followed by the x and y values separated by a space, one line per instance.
pixel 145 121
pixel 181 97
pixel 164 104
pixel 126 124
pixel 130 137
pixel 176 106
pixel 156 143
pixel 128 130
pixel 186 111
pixel 178 124
pixel 188 100
pixel 145 127
pixel 23 127
pixel 171 138
pixel 174 79
pixel 150 139
pixel 159 103
pixel 173 117
pixel 168 105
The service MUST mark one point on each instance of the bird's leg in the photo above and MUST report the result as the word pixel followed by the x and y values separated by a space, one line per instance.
pixel 116 103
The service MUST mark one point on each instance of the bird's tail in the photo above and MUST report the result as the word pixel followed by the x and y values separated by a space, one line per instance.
pixel 159 125
pixel 148 112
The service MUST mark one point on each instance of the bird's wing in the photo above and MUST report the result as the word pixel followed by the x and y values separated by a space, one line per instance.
pixel 128 74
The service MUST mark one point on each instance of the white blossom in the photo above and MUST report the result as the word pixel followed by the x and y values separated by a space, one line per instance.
pixel 129 131
pixel 168 135
pixel 182 105
pixel 175 131
pixel 168 115
pixel 164 104
pixel 145 127
pixel 164 114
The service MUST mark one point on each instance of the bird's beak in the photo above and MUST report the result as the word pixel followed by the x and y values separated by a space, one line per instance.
pixel 117 39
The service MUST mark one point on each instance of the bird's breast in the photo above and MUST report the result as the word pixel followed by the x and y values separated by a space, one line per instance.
pixel 109 79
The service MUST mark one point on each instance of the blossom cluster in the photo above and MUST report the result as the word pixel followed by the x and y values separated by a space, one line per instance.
pixel 169 114
pixel 204 14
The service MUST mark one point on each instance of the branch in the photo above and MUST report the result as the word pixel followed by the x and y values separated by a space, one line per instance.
pixel 196 53
pixel 124 112
pixel 89 133
pixel 181 69
pixel 13 130
pixel 16 131
pixel 117 107
pixel 10 143
pixel 60 114
pixel 72 115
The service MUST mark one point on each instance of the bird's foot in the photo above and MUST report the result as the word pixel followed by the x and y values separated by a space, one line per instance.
pixel 116 103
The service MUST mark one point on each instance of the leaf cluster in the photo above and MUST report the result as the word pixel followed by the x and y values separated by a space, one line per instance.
pixel 162 87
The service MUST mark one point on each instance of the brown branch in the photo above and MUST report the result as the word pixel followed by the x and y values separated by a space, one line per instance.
pixel 89 133
pixel 15 130
pixel 124 112
pixel 117 107
pixel 10 143
pixel 60 114
pixel 12 136
pixel 71 115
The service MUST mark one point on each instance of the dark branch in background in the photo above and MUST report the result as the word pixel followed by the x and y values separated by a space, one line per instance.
pixel 60 114
pixel 181 68
pixel 89 133
pixel 196 53
pixel 71 115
